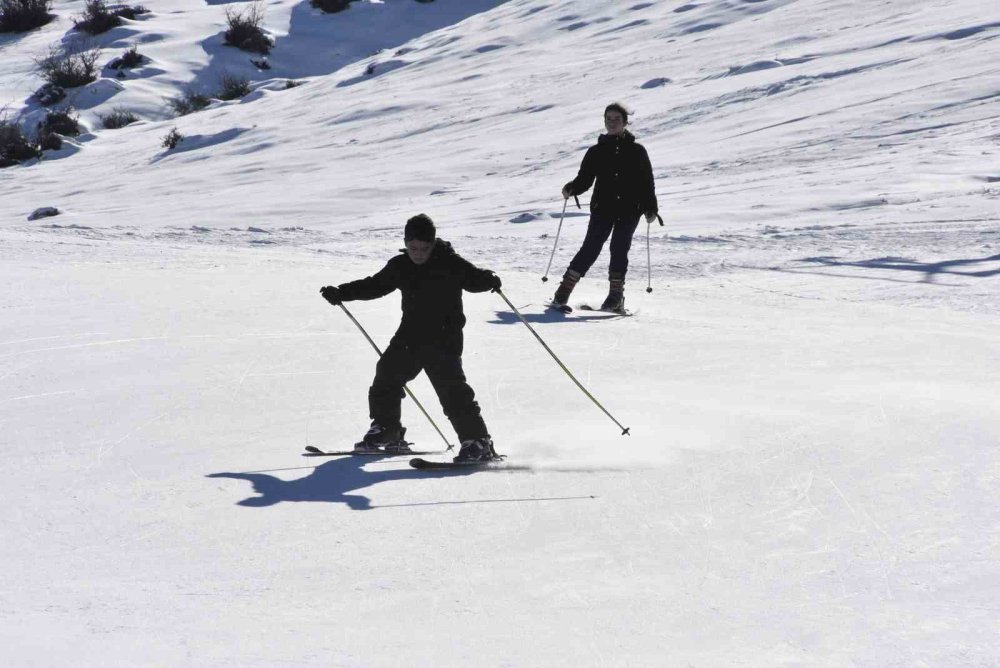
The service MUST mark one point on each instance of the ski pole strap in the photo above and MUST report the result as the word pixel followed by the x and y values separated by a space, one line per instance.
pixel 558 230
pixel 625 430
pixel 577 202
pixel 405 388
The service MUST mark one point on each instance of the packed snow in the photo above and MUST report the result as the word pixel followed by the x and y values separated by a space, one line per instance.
pixel 811 385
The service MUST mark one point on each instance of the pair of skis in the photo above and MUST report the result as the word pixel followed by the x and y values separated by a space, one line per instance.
pixel 566 308
pixel 417 462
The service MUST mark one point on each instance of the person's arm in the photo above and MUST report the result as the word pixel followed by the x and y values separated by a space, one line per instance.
pixel 585 177
pixel 648 187
pixel 370 287
pixel 475 279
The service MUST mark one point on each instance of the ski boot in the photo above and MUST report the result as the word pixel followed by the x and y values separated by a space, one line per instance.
pixel 615 301
pixel 379 437
pixel 569 281
pixel 477 450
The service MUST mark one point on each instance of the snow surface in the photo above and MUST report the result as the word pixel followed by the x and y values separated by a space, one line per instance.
pixel 811 387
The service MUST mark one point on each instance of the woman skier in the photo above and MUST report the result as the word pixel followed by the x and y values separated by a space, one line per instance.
pixel 431 277
pixel 623 192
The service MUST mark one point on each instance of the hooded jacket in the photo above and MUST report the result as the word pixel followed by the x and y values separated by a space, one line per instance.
pixel 624 177
pixel 431 294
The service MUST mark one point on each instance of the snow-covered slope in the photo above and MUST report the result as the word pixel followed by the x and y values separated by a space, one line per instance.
pixel 810 386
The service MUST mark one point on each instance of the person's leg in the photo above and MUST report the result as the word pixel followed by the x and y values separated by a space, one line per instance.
pixel 458 400
pixel 621 242
pixel 598 231
pixel 397 366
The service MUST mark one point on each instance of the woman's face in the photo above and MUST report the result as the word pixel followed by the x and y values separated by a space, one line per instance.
pixel 613 122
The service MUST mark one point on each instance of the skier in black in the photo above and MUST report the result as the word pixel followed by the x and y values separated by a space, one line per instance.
pixel 624 191
pixel 431 277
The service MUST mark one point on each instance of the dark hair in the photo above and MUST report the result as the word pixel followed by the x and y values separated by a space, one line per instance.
pixel 420 227
pixel 620 108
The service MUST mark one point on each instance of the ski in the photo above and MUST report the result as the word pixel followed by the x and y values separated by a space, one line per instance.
pixel 419 463
pixel 313 451
pixel 624 313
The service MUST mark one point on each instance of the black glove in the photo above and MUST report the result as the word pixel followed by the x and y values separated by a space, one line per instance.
pixel 494 282
pixel 332 295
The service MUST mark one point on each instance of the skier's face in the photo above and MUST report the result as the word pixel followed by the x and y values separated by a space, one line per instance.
pixel 419 251
pixel 614 123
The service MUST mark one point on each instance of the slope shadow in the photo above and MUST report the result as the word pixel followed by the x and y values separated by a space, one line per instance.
pixel 331 482
pixel 930 270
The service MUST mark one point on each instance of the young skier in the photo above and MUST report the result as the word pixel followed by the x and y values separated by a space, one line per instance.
pixel 431 277
pixel 624 191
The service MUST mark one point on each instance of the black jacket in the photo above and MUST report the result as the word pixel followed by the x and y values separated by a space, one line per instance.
pixel 432 294
pixel 624 177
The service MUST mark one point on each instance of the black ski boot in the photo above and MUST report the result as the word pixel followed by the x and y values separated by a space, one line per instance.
pixel 615 301
pixel 477 450
pixel 379 437
pixel 569 281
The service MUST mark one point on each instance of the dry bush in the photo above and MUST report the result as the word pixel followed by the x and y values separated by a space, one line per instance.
pixel 244 31
pixel 118 117
pixel 15 146
pixel 24 15
pixel 67 67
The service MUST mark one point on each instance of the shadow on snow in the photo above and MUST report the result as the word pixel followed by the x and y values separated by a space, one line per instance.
pixel 549 315
pixel 332 482
pixel 930 270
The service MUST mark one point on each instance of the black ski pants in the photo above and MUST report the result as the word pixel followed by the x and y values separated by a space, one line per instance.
pixel 401 362
pixel 620 229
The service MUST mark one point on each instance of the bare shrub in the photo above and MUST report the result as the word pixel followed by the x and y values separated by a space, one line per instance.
pixel 15 147
pixel 97 17
pixel 244 30
pixel 128 60
pixel 67 67
pixel 233 86
pixel 172 139
pixel 117 118
pixel 24 15
pixel 49 141
pixel 189 102
pixel 61 122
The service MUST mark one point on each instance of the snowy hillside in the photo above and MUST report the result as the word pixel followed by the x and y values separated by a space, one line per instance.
pixel 812 475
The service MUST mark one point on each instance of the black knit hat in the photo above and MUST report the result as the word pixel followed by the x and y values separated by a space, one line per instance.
pixel 420 227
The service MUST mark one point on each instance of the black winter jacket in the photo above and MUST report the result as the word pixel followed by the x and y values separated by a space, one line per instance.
pixel 624 177
pixel 432 294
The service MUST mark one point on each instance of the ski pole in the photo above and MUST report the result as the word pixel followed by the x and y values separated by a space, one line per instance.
pixel 410 394
pixel 558 230
pixel 625 431
pixel 649 263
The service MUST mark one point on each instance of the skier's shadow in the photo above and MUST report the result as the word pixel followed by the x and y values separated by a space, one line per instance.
pixel 549 315
pixel 330 482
